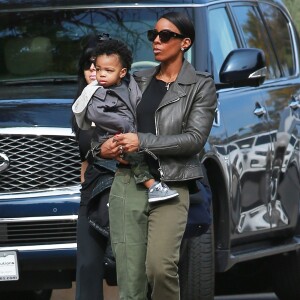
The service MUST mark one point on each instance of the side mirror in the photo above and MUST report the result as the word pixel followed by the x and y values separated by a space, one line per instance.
pixel 244 67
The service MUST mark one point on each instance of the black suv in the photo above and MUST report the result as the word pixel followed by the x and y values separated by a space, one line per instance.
pixel 251 157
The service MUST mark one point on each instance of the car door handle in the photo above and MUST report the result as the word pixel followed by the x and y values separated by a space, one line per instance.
pixel 294 104
pixel 259 110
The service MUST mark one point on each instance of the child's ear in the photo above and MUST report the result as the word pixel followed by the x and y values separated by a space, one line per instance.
pixel 123 72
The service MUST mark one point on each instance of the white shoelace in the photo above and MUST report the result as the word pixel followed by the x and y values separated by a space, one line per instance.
pixel 160 187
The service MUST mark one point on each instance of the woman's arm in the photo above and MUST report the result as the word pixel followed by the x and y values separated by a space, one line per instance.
pixel 196 125
pixel 193 136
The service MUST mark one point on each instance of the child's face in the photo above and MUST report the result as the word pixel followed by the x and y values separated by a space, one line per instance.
pixel 109 70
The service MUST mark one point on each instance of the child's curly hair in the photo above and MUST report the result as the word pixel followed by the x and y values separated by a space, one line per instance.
pixel 112 46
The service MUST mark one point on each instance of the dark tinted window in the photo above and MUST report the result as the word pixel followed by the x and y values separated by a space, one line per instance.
pixel 280 34
pixel 232 148
pixel 255 36
pixel 261 140
pixel 47 44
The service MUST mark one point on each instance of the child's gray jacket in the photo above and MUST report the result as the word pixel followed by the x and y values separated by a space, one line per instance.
pixel 113 110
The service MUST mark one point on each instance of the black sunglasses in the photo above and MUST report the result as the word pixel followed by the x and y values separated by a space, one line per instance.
pixel 164 35
pixel 88 62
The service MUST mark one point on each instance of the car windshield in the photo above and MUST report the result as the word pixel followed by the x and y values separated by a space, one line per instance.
pixel 45 45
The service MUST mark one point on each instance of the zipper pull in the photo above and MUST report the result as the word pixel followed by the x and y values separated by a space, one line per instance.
pixel 161 174
pixel 150 153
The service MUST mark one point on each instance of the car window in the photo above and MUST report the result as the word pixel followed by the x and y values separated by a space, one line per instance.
pixel 221 41
pixel 46 44
pixel 279 30
pixel 264 139
pixel 232 148
pixel 245 143
pixel 255 36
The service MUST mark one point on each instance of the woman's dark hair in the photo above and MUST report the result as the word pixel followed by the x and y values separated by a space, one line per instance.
pixel 116 47
pixel 183 23
pixel 88 51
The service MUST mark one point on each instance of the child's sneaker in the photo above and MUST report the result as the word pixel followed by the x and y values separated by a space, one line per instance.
pixel 160 192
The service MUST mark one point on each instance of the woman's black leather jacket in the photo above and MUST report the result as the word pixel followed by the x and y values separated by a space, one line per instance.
pixel 183 122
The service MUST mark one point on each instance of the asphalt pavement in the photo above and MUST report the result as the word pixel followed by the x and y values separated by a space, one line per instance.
pixel 111 293
pixel 248 297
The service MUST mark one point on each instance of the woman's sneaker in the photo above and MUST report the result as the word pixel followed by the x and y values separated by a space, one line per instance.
pixel 160 192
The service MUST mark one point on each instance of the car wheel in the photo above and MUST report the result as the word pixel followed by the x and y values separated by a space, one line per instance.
pixel 40 294
pixel 197 267
pixel 27 295
pixel 286 276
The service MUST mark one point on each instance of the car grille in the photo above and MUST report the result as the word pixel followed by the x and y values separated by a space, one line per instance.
pixel 39 162
pixel 37 232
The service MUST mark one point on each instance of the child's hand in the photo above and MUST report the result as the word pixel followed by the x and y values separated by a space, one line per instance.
pixel 109 149
pixel 121 160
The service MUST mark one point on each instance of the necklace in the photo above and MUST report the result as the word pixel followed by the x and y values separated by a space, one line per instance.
pixel 167 86
pixel 169 81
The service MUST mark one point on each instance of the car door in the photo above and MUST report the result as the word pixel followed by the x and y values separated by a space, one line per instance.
pixel 266 26
pixel 281 94
pixel 244 116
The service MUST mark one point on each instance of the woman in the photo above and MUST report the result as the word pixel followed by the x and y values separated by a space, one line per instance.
pixel 91 245
pixel 174 119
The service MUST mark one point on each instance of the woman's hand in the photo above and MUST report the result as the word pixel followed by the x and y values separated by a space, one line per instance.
pixel 129 141
pixel 111 150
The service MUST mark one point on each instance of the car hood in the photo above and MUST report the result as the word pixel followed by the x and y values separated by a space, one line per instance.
pixel 48 106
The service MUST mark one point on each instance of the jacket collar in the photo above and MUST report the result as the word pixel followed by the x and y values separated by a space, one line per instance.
pixel 186 76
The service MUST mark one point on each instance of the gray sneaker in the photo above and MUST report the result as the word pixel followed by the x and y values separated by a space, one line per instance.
pixel 160 192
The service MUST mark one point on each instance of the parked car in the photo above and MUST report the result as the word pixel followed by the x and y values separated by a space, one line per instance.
pixel 250 47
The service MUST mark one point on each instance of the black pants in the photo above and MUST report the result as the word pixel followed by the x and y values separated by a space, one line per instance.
pixel 91 246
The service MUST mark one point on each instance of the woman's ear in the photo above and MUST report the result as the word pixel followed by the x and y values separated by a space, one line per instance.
pixel 186 43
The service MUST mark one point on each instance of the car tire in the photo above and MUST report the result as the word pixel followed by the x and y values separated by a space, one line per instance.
pixel 43 295
pixel 286 276
pixel 197 267
pixel 40 295
pixel 27 295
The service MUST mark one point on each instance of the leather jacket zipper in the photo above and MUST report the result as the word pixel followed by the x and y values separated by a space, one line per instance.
pixel 156 129
pixel 159 166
